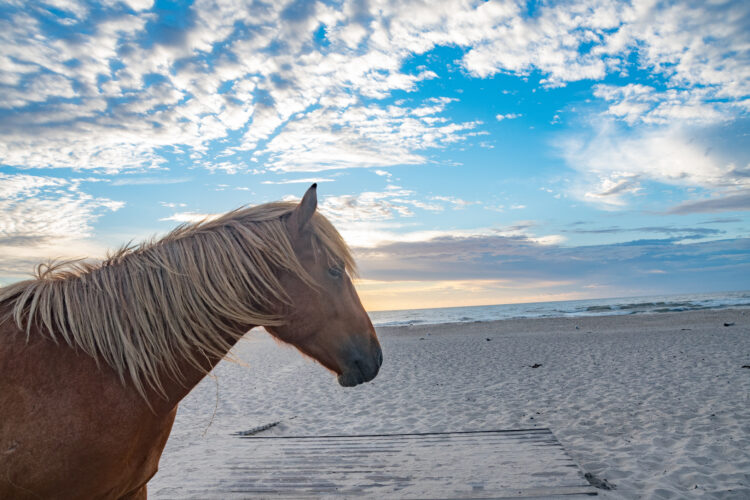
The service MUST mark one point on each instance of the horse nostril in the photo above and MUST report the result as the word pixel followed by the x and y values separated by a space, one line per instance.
pixel 361 369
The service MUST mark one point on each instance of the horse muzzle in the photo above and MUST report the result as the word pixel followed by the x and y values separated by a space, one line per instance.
pixel 361 369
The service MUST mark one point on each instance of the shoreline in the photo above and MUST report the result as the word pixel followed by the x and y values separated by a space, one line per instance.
pixel 600 320
pixel 566 308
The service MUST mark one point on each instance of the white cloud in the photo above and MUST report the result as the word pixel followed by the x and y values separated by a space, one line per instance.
pixel 549 42
pixel 44 217
pixel 368 206
pixel 507 116
pixel 374 218
pixel 307 180
pixel 360 136
pixel 376 207
pixel 612 189
pixel 550 239
pixel 189 217
pixel 614 163
pixel 691 44
pixel 40 89
pixel 76 8
pixel 47 208
pixel 139 4
pixel 455 202
pixel 25 186
pixel 635 103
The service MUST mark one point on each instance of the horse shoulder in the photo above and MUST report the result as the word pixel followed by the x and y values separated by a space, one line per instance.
pixel 70 428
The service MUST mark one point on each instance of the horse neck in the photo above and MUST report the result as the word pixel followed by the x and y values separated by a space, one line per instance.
pixel 176 390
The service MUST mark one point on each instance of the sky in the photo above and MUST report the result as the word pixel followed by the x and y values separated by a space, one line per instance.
pixel 470 152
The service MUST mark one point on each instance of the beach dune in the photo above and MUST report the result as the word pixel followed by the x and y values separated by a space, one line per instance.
pixel 656 406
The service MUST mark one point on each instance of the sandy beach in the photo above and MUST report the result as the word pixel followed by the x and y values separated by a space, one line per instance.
pixel 657 405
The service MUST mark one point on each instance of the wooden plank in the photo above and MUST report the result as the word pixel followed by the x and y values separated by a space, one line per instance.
pixel 525 463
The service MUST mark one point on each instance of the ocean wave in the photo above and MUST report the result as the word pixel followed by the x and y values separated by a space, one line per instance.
pixel 593 307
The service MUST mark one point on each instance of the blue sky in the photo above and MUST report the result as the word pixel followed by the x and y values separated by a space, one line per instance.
pixel 470 152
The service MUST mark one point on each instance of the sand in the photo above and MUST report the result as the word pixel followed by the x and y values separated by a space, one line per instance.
pixel 656 405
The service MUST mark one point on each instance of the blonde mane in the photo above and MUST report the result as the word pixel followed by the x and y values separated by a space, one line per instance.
pixel 147 307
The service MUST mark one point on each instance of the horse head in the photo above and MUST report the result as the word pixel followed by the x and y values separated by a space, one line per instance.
pixel 323 316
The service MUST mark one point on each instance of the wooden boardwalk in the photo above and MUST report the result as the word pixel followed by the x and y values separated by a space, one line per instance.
pixel 527 463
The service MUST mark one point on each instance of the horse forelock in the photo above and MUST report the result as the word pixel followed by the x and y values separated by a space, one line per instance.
pixel 147 308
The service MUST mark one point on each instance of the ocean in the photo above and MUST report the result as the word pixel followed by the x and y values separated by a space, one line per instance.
pixel 567 308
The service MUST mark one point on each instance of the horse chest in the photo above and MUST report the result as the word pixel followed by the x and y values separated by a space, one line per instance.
pixel 69 429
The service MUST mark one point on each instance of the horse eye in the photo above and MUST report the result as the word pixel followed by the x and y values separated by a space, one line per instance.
pixel 335 272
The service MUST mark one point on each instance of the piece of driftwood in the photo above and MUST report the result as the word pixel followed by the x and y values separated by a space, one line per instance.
pixel 258 429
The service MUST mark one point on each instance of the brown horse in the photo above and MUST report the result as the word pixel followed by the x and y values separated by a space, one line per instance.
pixel 94 359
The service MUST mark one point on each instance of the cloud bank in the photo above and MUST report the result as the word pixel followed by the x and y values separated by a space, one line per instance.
pixel 130 87
pixel 300 85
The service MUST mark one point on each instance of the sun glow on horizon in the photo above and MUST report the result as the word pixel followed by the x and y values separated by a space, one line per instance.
pixel 404 295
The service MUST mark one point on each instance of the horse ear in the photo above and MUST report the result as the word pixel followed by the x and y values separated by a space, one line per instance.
pixel 304 211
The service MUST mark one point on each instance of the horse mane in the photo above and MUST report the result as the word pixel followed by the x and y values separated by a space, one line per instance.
pixel 146 307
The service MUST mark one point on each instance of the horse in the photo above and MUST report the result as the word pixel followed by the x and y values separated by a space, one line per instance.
pixel 95 357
